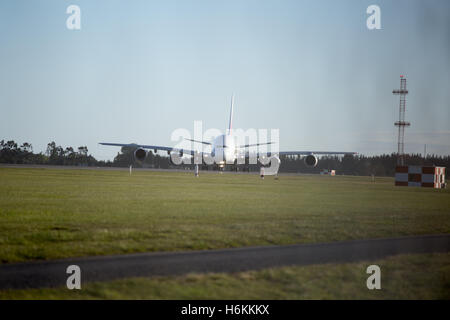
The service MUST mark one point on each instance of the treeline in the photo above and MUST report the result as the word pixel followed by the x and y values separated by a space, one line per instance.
pixel 14 153
pixel 381 165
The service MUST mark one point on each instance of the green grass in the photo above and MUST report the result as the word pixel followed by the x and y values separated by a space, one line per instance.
pixel 425 276
pixel 51 213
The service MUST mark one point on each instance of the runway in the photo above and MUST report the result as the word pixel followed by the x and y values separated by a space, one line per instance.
pixel 127 169
pixel 102 268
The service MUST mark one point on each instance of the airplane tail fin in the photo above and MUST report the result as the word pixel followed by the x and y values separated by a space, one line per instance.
pixel 230 124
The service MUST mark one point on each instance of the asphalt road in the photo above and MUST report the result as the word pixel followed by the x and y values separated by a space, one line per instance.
pixel 53 273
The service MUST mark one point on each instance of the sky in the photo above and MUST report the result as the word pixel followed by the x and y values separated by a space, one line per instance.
pixel 138 70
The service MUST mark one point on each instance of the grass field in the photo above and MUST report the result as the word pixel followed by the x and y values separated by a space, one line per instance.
pixel 54 213
pixel 424 276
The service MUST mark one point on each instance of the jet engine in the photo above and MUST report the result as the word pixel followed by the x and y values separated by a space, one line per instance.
pixel 140 154
pixel 311 160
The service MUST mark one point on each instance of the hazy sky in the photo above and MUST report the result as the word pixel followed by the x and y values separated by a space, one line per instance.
pixel 137 70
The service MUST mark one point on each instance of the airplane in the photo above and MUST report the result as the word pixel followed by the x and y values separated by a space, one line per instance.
pixel 225 151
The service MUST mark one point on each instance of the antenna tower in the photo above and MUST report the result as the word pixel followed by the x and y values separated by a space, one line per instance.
pixel 401 123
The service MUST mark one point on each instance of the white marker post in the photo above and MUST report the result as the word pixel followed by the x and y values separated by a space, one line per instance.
pixel 131 167
pixel 196 170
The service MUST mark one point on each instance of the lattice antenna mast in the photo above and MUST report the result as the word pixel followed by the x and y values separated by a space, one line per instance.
pixel 401 123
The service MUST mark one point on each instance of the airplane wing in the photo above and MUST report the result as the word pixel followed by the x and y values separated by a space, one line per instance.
pixel 255 145
pixel 298 153
pixel 198 141
pixel 155 148
pixel 305 153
